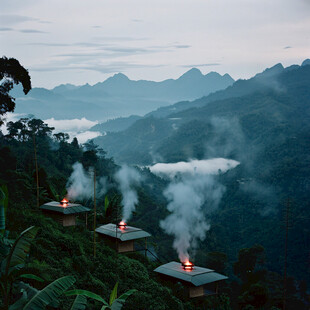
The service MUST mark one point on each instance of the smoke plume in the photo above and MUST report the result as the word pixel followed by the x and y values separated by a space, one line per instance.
pixel 189 200
pixel 127 179
pixel 81 184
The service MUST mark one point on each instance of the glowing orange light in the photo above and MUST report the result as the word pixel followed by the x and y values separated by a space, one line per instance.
pixel 188 266
pixel 122 225
pixel 64 202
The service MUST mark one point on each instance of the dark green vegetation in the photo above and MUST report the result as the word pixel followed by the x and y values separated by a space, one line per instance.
pixel 117 124
pixel 11 72
pixel 252 210
pixel 264 123
pixel 117 96
pixel 57 252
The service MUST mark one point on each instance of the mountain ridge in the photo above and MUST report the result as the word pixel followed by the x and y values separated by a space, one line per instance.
pixel 117 96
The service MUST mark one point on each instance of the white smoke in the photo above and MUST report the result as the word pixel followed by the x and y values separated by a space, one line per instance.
pixel 193 193
pixel 190 199
pixel 127 179
pixel 81 184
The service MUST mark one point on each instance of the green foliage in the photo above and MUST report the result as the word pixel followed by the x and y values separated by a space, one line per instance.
pixel 14 262
pixel 3 205
pixel 11 71
pixel 50 293
pixel 247 261
pixel 114 302
pixel 256 296
pixel 79 303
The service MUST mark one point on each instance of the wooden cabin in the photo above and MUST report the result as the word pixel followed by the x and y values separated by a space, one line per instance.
pixel 64 214
pixel 198 282
pixel 122 239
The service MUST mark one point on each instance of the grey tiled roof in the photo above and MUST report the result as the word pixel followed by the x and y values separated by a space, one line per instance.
pixel 198 276
pixel 71 208
pixel 129 233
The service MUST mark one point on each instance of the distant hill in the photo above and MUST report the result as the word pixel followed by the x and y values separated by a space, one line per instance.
pixel 274 99
pixel 118 96
pixel 117 124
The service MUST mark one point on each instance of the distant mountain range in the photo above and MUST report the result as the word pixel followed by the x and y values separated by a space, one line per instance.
pixel 117 96
pixel 264 104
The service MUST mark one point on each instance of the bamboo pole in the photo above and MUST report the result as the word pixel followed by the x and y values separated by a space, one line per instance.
pixel 37 171
pixel 94 213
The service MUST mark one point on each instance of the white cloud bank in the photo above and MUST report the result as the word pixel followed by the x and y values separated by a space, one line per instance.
pixel 75 128
pixel 78 128
pixel 203 167
pixel 67 125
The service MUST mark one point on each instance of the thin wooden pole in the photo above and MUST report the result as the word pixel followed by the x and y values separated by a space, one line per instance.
pixel 116 223
pixel 94 213
pixel 285 254
pixel 37 171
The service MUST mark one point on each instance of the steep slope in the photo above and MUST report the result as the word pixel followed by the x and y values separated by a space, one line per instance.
pixel 277 100
pixel 268 131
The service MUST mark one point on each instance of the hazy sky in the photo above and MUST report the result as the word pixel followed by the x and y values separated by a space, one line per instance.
pixel 78 41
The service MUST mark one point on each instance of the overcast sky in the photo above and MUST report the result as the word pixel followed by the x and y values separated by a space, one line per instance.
pixel 78 41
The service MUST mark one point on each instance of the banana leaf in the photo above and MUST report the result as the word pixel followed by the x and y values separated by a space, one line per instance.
pixel 87 294
pixel 31 277
pixel 79 303
pixel 3 205
pixel 50 293
pixel 123 297
pixel 113 295
pixel 20 249
pixel 20 302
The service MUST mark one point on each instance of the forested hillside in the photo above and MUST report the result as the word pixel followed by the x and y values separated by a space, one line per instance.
pixel 266 128
pixel 63 251
pixel 264 199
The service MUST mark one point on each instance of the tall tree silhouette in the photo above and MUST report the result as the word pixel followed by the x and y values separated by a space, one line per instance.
pixel 11 72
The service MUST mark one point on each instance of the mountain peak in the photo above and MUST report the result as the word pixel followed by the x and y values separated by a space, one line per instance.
pixel 306 62
pixel 192 73
pixel 269 72
pixel 119 76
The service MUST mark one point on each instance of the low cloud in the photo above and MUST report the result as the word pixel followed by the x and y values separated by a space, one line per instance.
pixel 86 135
pixel 70 124
pixel 114 67
pixel 10 117
pixel 75 128
pixel 13 19
pixel 182 46
pixel 195 167
pixel 31 31
pixel 6 29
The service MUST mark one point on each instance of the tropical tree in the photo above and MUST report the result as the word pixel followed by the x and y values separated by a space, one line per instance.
pixel 11 71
